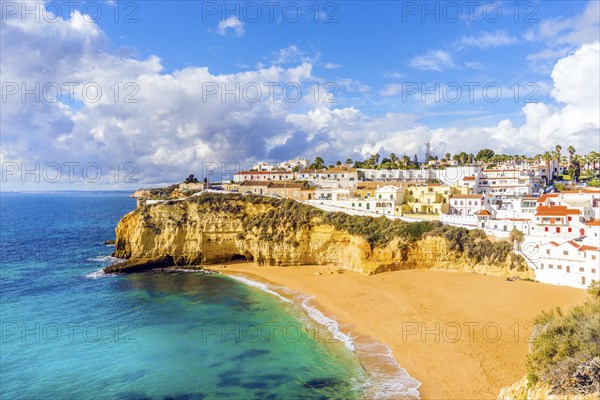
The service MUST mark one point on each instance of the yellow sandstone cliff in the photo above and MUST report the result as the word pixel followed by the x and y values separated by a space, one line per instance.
pixel 196 232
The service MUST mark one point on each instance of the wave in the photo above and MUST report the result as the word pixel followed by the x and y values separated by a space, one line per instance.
pixel 260 286
pixel 387 379
pixel 105 259
pixel 331 324
pixel 98 274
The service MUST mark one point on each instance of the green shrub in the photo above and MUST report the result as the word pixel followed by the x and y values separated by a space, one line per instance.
pixel 566 343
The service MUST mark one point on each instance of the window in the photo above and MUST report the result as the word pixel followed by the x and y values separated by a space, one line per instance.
pixel 569 218
pixel 593 270
pixel 570 229
pixel 580 269
pixel 557 230
pixel 559 267
pixel 565 253
pixel 546 229
pixel 548 251
pixel 550 266
pixel 593 257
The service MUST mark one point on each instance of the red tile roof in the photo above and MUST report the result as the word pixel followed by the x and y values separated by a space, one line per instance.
pixel 559 211
pixel 469 178
pixel 543 197
pixel 593 223
pixel 585 247
pixel 483 212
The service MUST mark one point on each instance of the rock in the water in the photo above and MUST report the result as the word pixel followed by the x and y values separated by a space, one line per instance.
pixel 139 265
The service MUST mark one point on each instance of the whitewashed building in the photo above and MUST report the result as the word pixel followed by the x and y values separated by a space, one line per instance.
pixel 569 263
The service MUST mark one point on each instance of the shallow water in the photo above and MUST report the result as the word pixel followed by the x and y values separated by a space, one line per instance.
pixel 70 332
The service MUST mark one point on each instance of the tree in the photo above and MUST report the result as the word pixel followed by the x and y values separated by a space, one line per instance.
pixel 484 155
pixel 393 158
pixel 447 157
pixel 557 150
pixel 416 160
pixel 338 163
pixel 575 170
pixel 349 161
pixel 571 151
pixel 547 157
pixel 516 236
pixel 318 163
pixel 191 179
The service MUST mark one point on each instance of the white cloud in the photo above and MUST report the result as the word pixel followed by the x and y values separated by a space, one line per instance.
pixel 293 54
pixel 331 65
pixel 562 35
pixel 434 60
pixel 486 40
pixel 232 23
pixel 175 127
pixel 391 89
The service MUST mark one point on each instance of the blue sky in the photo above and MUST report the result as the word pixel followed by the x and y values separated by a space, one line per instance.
pixel 375 56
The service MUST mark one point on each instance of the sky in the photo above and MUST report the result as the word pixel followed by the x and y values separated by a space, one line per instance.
pixel 121 94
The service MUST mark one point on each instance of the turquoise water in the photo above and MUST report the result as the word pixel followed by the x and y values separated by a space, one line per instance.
pixel 69 333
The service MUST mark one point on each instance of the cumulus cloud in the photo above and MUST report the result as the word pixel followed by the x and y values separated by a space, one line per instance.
pixel 184 119
pixel 233 23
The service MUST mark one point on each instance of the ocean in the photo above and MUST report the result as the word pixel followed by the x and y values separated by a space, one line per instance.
pixel 71 332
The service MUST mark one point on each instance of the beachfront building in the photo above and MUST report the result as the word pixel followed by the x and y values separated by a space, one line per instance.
pixel 567 263
pixel 504 182
pixel 466 204
pixel 428 200
pixel 291 190
pixel 273 175
pixel 330 178
pixel 383 200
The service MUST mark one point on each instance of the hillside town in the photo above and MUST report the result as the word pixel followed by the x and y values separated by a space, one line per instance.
pixel 552 201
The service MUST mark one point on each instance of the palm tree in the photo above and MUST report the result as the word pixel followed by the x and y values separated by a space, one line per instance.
pixel 571 151
pixel 557 150
pixel 547 157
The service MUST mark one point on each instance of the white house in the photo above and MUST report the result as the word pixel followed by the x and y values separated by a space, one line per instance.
pixel 275 175
pixel 466 204
pixel 508 182
pixel 568 263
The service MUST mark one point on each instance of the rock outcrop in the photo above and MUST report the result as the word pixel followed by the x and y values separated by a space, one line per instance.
pixel 224 227
pixel 521 390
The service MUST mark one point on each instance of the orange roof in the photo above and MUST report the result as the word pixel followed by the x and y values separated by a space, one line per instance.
pixel 593 223
pixel 483 212
pixel 543 197
pixel 585 247
pixel 573 243
pixel 469 178
pixel 559 211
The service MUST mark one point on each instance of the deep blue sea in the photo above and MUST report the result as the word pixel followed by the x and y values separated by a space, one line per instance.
pixel 68 332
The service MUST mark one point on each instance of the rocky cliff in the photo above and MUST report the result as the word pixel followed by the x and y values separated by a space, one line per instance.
pixel 522 390
pixel 215 228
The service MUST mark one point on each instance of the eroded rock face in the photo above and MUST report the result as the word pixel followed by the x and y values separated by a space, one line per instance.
pixel 521 390
pixel 193 233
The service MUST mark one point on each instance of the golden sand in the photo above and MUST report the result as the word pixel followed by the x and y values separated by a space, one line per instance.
pixel 463 336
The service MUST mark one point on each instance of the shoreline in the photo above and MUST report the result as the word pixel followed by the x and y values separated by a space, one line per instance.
pixel 387 377
pixel 452 350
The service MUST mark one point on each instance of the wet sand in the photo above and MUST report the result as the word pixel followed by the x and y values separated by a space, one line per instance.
pixel 462 335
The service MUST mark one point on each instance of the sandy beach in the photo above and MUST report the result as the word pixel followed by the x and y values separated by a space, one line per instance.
pixel 462 335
